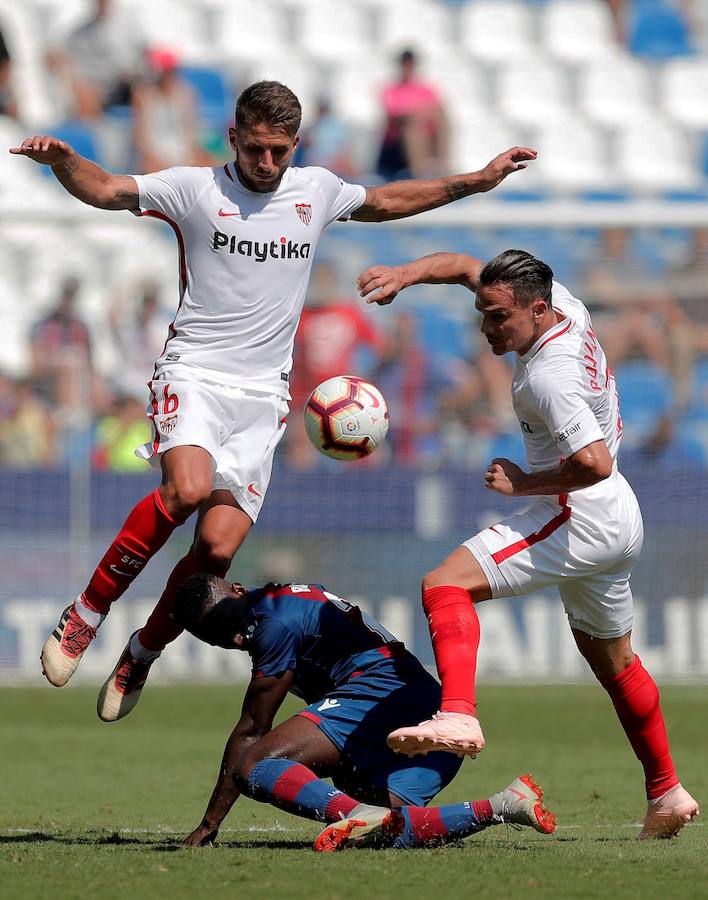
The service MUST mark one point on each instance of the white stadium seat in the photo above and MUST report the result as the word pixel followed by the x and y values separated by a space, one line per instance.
pixel 477 139
pixel 683 91
pixel 299 72
pixel 175 24
pixel 257 31
pixel 653 155
pixel 421 25
pixel 532 90
pixel 496 30
pixel 615 91
pixel 330 32
pixel 577 30
pixel 572 156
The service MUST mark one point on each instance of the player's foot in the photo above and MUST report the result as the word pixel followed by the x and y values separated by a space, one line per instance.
pixel 63 649
pixel 453 732
pixel 521 804
pixel 365 826
pixel 121 692
pixel 667 815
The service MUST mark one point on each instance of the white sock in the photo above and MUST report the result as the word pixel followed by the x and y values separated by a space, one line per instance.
pixel 137 651
pixel 90 616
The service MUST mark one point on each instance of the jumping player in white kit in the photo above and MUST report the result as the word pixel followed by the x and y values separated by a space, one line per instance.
pixel 247 234
pixel 582 531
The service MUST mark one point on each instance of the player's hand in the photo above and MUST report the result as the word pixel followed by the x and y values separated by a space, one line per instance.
pixel 512 161
pixel 44 149
pixel 504 476
pixel 200 837
pixel 379 284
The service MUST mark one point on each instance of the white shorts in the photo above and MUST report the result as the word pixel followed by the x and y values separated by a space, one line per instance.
pixel 239 428
pixel 586 547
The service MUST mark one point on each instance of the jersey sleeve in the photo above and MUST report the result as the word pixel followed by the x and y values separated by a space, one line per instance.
pixel 171 192
pixel 559 401
pixel 342 198
pixel 273 648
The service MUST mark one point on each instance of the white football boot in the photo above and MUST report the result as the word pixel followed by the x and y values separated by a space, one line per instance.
pixel 365 826
pixel 521 804
pixel 452 732
pixel 667 815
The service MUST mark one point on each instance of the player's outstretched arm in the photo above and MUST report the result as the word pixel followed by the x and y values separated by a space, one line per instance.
pixel 381 284
pixel 262 701
pixel 407 198
pixel 84 179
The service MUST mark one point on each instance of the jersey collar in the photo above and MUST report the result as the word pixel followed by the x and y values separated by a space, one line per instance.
pixel 232 175
pixel 555 332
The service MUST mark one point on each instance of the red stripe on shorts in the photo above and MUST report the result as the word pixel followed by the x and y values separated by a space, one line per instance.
pixel 540 535
pixel 306 714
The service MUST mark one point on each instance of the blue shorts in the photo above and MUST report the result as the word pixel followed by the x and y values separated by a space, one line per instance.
pixel 358 716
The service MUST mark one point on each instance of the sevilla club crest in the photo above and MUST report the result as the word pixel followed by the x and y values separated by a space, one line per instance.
pixel 304 210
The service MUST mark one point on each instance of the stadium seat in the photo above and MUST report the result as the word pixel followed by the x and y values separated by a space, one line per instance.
pixel 572 155
pixel 299 72
pixel 174 24
pixel 508 445
pixel 532 90
pixel 495 32
pixel 683 91
pixel 659 31
pixel 214 95
pixel 355 91
pixel 577 30
pixel 258 32
pixel 422 25
pixel 475 141
pixel 646 394
pixel 330 32
pixel 653 155
pixel 615 91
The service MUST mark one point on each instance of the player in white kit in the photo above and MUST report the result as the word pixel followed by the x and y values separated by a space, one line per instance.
pixel 247 234
pixel 582 531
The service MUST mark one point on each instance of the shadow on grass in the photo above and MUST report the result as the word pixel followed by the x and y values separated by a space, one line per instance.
pixel 163 845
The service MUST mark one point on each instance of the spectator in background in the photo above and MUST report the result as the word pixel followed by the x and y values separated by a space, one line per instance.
pixel 100 61
pixel 326 142
pixel 166 120
pixel 60 348
pixel 139 331
pixel 415 137
pixel 26 428
pixel 8 104
pixel 333 337
pixel 411 383
pixel 118 434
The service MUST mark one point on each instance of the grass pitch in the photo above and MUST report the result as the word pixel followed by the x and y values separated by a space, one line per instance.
pixel 95 810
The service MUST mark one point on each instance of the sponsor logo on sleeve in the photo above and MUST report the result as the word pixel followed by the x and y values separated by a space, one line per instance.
pixel 562 436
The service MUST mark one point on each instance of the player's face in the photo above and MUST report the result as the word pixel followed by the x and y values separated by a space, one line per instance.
pixel 222 626
pixel 507 325
pixel 262 155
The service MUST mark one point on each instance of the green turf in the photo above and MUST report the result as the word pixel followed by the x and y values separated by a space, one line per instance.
pixel 95 810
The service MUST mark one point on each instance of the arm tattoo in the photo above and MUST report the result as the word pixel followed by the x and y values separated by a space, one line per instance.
pixel 455 190
pixel 68 166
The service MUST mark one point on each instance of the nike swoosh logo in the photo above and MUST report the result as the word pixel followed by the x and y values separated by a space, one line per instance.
pixel 225 214
pixel 118 572
pixel 253 490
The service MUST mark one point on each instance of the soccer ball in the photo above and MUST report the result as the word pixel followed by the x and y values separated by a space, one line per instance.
pixel 346 417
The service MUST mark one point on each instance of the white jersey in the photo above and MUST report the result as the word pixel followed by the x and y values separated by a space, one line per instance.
pixel 245 261
pixel 564 393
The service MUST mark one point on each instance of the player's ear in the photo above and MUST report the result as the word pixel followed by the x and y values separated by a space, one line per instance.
pixel 232 137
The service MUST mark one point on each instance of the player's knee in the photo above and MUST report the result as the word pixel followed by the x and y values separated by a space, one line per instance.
pixel 182 498
pixel 213 555
pixel 435 578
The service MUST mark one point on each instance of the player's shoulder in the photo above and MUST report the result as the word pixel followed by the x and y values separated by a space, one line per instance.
pixel 317 177
pixel 185 175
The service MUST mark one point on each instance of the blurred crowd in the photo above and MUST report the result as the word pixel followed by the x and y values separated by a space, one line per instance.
pixel 449 398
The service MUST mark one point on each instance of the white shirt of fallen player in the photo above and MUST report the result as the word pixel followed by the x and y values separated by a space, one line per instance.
pixel 221 382
pixel 587 541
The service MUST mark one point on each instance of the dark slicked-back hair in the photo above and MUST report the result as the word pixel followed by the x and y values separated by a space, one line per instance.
pixel 195 597
pixel 269 103
pixel 527 276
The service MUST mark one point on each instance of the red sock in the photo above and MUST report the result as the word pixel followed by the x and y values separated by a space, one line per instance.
pixel 454 631
pixel 144 532
pixel 160 629
pixel 636 699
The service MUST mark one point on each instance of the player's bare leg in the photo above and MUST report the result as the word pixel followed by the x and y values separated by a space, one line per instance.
pixel 186 483
pixel 636 700
pixel 449 595
pixel 221 528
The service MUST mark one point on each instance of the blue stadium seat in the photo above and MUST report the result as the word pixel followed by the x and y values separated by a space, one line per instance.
pixel 659 31
pixel 510 446
pixel 439 334
pixel 697 412
pixel 646 393
pixel 213 93
pixel 81 139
